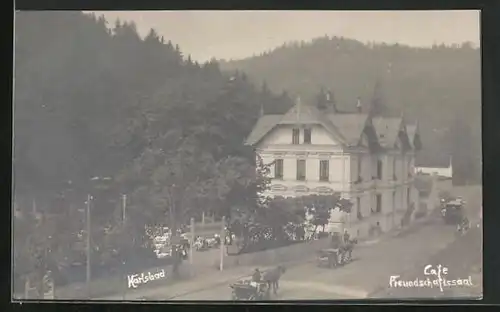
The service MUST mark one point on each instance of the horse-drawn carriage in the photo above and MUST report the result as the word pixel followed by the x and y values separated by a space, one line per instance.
pixel 334 257
pixel 247 290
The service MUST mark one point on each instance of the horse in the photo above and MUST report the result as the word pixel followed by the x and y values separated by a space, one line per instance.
pixel 273 276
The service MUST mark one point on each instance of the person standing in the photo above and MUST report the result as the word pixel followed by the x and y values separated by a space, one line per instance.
pixel 177 259
pixel 347 237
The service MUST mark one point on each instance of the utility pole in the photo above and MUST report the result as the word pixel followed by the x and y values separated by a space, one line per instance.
pixel 191 243
pixel 89 198
pixel 222 235
pixel 124 207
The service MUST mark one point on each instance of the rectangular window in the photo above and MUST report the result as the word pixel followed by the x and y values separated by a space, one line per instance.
pixel 394 168
pixel 359 166
pixel 358 207
pixel 410 169
pixel 295 136
pixel 379 169
pixel 307 136
pixel 324 168
pixel 379 203
pixel 301 170
pixel 278 169
pixel 394 200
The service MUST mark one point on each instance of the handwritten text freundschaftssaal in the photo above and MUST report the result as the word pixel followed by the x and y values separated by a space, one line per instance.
pixel 434 276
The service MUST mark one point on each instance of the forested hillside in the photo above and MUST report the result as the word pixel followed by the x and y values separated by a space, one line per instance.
pixel 89 100
pixel 99 101
pixel 439 86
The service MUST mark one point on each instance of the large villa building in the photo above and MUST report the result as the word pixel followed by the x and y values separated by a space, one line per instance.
pixel 315 149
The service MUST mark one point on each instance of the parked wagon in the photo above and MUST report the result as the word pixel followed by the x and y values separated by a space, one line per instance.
pixel 246 290
pixel 453 211
pixel 329 257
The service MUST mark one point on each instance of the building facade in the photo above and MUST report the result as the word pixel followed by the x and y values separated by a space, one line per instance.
pixel 319 150
pixel 444 172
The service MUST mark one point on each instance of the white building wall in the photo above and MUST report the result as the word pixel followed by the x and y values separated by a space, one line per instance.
pixel 290 168
pixel 336 169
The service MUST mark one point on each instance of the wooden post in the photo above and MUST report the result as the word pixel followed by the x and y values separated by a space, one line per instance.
pixel 223 227
pixel 203 218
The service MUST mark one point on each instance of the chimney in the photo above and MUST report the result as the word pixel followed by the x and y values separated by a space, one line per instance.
pixel 331 101
pixel 359 107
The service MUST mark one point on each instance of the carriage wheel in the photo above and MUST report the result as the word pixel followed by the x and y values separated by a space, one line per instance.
pixel 339 258
pixel 348 256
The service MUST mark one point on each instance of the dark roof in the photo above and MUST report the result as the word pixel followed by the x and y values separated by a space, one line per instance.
pixel 303 114
pixel 350 125
pixel 411 130
pixel 387 129
pixel 265 124
pixel 347 128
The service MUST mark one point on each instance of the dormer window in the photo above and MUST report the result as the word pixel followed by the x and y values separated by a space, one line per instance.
pixel 295 136
pixel 307 136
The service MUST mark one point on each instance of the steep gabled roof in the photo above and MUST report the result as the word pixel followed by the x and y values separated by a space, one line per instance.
pixel 411 130
pixel 304 114
pixel 414 135
pixel 351 126
pixel 298 114
pixel 387 129
pixel 265 124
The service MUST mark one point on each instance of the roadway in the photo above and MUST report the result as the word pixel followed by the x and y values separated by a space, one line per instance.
pixel 368 275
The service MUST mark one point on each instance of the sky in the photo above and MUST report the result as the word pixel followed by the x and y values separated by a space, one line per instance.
pixel 240 34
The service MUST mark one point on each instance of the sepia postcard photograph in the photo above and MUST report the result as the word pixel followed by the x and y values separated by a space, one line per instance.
pixel 257 156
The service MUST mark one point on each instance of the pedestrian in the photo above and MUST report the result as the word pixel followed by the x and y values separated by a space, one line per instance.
pixel 346 236
pixel 378 228
pixel 176 257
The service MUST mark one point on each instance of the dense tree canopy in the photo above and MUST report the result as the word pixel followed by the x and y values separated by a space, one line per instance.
pixel 435 85
pixel 97 100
